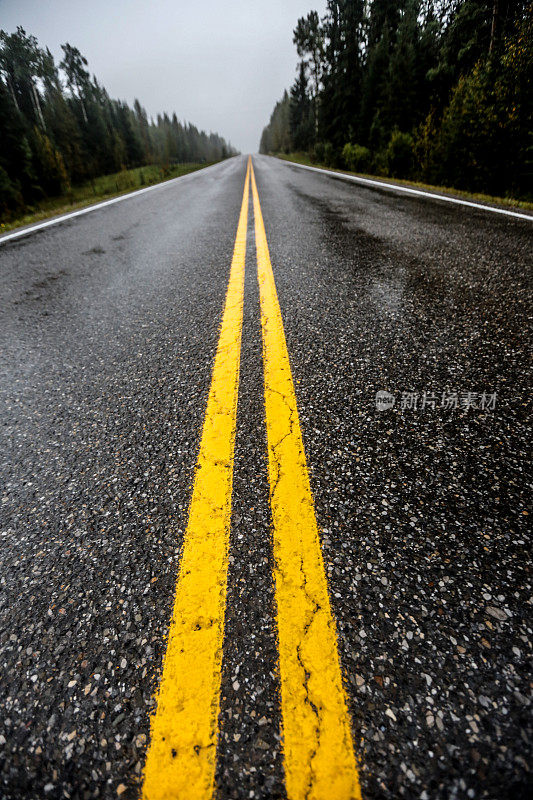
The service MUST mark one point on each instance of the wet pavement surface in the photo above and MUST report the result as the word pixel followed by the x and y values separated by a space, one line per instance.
pixel 108 329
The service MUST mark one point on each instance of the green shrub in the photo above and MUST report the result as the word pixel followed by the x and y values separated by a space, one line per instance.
pixel 318 153
pixel 380 164
pixel 400 155
pixel 329 155
pixel 356 157
pixel 427 152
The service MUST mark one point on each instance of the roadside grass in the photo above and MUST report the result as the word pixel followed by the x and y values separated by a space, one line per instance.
pixel 509 202
pixel 104 187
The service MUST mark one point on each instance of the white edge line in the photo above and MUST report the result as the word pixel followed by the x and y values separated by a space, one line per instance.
pixel 408 190
pixel 47 223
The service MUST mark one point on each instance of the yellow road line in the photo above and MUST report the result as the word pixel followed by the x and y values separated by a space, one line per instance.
pixel 181 758
pixel 319 757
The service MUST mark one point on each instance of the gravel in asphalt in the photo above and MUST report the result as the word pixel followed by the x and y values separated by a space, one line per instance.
pixel 108 328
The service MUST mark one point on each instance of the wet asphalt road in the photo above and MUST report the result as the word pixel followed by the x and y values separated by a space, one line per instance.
pixel 108 329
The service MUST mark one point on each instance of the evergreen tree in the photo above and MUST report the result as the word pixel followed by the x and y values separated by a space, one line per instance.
pixel 16 175
pixel 52 138
pixel 438 89
pixel 301 124
pixel 343 71
pixel 308 36
pixel 20 65
pixel 402 91
pixel 78 78
pixel 276 137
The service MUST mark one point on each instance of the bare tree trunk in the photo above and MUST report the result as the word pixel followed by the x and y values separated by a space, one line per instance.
pixel 83 111
pixel 494 26
pixel 37 104
pixel 315 93
pixel 82 104
pixel 13 95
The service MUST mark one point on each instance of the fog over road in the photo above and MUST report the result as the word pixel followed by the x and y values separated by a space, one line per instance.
pixel 109 325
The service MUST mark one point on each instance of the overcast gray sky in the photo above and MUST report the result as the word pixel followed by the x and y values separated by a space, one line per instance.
pixel 220 64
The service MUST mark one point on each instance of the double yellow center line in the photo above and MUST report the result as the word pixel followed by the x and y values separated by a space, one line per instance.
pixel 319 757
